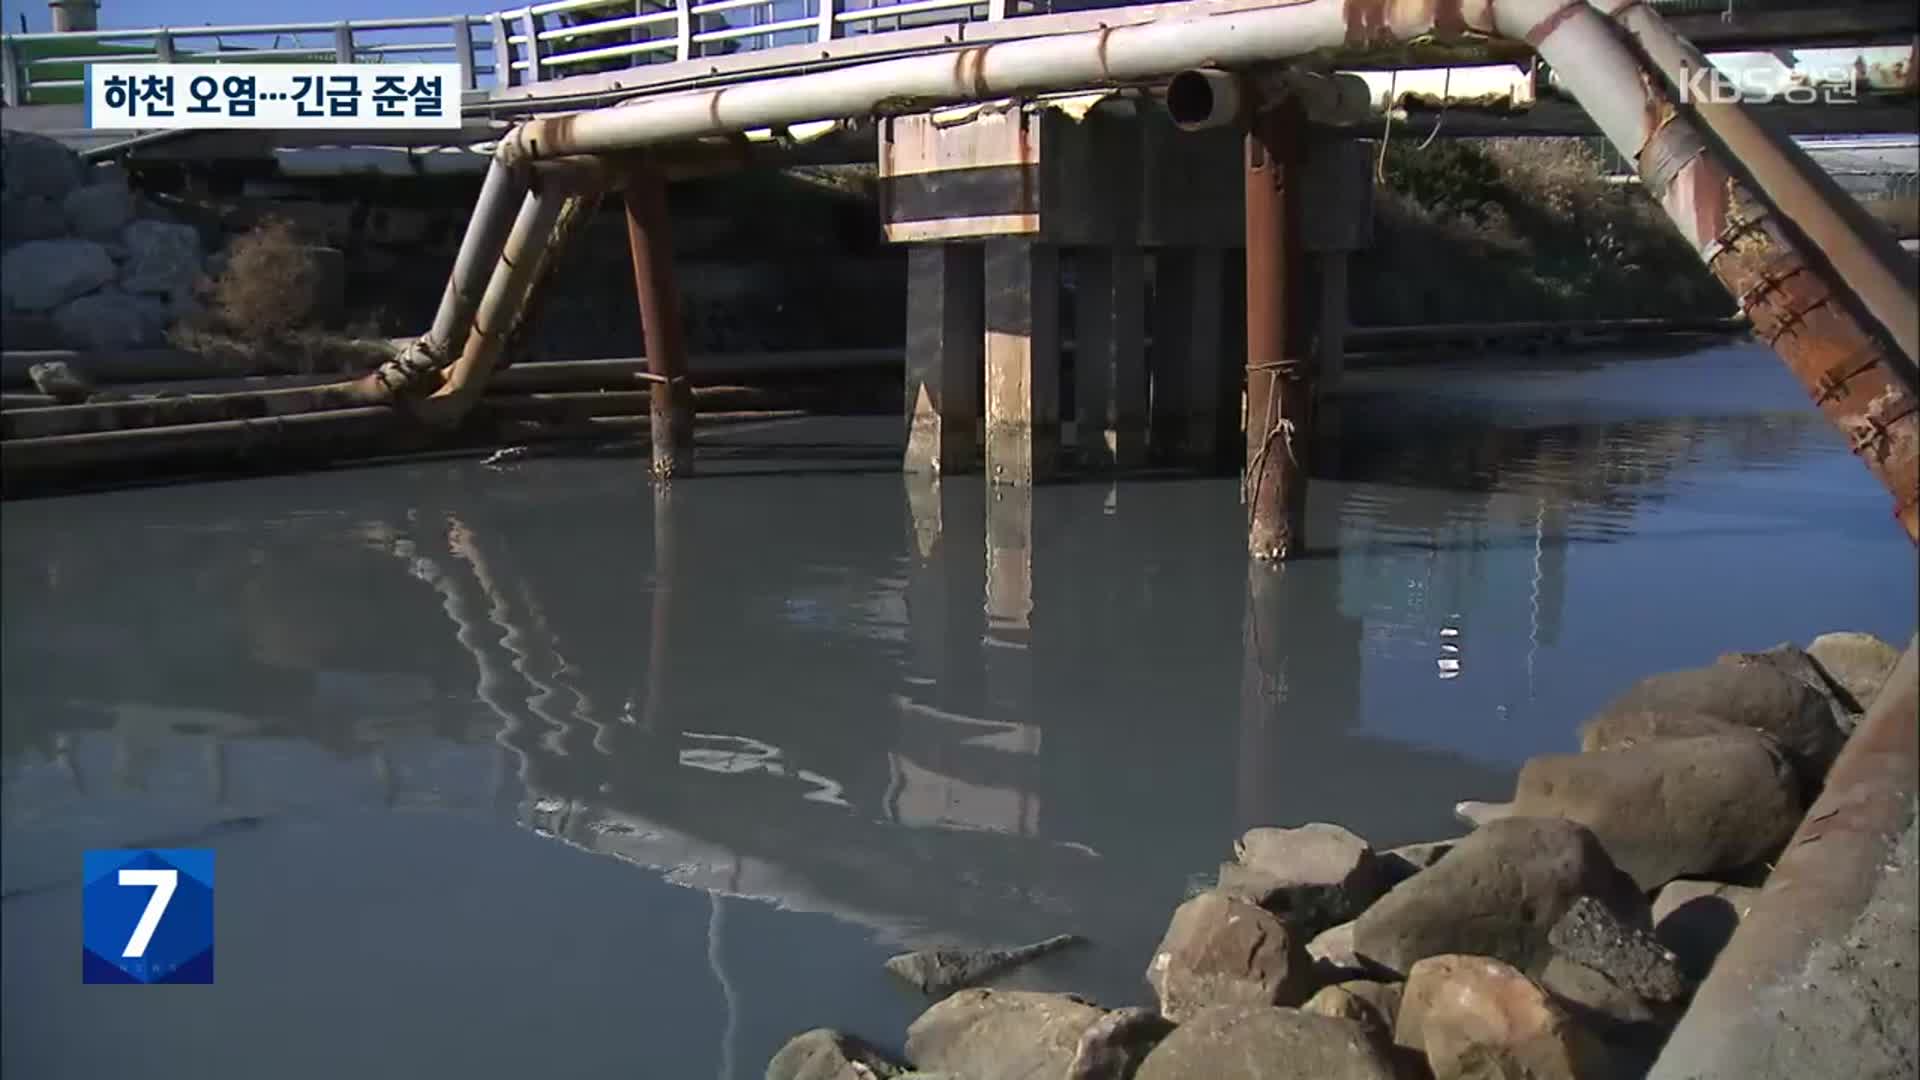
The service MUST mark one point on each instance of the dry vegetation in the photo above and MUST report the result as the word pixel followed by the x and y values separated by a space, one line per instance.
pixel 266 309
pixel 1503 229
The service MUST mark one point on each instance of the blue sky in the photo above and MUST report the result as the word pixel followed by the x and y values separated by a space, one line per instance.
pixel 141 13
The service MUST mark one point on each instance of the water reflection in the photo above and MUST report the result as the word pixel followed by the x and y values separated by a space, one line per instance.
pixel 933 711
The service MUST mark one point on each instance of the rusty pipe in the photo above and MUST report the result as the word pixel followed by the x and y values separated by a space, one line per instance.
pixel 499 306
pixel 1862 253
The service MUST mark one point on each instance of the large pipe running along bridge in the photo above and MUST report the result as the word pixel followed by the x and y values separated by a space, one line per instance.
pixel 623 99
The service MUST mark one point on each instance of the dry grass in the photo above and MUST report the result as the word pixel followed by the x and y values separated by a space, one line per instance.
pixel 1522 229
pixel 270 286
pixel 263 311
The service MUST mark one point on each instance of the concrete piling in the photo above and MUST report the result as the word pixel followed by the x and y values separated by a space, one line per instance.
pixel 1022 361
pixel 946 343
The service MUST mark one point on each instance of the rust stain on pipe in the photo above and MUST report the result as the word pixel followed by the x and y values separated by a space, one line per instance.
pixel 1848 371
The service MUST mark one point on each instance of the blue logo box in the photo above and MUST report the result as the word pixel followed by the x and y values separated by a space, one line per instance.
pixel 147 916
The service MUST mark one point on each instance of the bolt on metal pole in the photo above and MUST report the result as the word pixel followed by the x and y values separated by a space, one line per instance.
pixel 1279 393
pixel 660 324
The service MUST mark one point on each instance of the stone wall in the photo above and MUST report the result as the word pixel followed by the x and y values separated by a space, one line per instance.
pixel 86 263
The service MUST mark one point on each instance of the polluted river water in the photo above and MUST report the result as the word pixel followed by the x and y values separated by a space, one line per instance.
pixel 531 769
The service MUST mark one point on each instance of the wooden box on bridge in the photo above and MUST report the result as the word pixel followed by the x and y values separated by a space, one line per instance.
pixel 1097 170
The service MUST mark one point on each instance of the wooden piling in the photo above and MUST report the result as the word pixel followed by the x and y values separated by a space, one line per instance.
pixel 1279 384
pixel 658 293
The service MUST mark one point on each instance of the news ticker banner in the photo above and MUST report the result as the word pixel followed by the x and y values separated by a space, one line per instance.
pixel 146 916
pixel 149 97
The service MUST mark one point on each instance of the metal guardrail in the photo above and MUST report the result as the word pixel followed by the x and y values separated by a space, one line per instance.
pixel 503 48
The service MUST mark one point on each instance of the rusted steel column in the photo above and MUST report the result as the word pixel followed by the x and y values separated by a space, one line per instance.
pixel 1279 388
pixel 651 244
pixel 660 620
pixel 1852 371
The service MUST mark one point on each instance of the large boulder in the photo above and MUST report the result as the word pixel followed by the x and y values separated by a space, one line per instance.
pixel 1498 893
pixel 1315 876
pixel 1370 1004
pixel 28 219
pixel 825 1054
pixel 111 319
pixel 33 166
pixel 1254 1042
pixel 1001 1034
pixel 939 972
pixel 1696 919
pixel 1116 1044
pixel 1473 1016
pixel 1752 695
pixel 43 274
pixel 98 211
pixel 1222 951
pixel 1671 807
pixel 1857 663
pixel 162 258
pixel 1591 934
pixel 1407 860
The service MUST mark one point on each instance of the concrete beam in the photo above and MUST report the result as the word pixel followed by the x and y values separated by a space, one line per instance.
pixel 1022 361
pixel 946 342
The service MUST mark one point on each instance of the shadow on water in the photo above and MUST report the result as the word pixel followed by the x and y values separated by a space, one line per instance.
pixel 930 711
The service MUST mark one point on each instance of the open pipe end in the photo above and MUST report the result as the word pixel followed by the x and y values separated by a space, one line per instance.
pixel 1203 98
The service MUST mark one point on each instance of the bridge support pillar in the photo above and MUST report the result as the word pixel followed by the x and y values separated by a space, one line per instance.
pixel 1110 372
pixel 1022 361
pixel 1194 384
pixel 1330 354
pixel 1279 409
pixel 946 340
pixel 670 427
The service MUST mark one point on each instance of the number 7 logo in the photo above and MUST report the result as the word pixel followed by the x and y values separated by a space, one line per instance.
pixel 147 916
pixel 163 883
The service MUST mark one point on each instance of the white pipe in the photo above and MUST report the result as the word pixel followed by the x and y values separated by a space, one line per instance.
pixel 1202 99
pixel 500 196
pixel 1593 62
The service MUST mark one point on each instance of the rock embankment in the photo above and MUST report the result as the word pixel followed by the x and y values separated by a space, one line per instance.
pixel 1559 940
pixel 85 262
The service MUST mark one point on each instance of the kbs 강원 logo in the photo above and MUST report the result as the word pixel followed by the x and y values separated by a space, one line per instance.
pixel 147 916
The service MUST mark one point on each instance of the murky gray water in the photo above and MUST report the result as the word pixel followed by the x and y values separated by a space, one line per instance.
pixel 527 772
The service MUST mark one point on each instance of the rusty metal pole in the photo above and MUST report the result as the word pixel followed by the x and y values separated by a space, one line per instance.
pixel 1279 391
pixel 659 295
